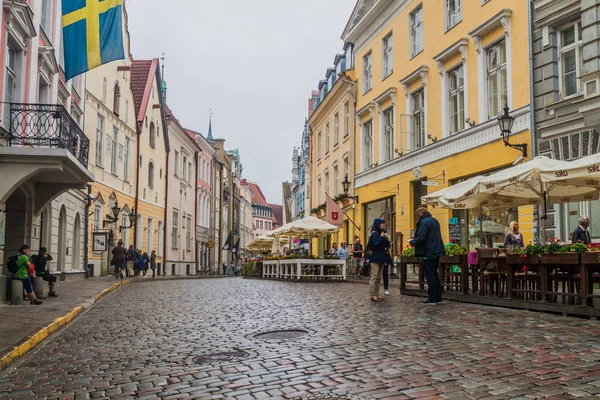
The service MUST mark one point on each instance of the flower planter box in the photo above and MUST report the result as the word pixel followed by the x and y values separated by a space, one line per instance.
pixel 561 259
pixel 453 259
pixel 590 257
pixel 409 260
pixel 522 259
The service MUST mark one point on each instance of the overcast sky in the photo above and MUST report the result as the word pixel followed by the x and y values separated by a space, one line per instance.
pixel 254 63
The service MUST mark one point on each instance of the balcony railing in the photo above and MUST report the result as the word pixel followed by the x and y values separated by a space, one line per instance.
pixel 47 125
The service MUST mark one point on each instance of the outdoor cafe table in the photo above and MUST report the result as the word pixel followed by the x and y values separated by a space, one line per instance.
pixel 514 263
pixel 566 262
pixel 404 263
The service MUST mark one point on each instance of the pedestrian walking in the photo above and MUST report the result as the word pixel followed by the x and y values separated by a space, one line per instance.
pixel 377 257
pixel 224 269
pixel 232 267
pixel 26 271
pixel 357 256
pixel 40 262
pixel 119 259
pixel 131 257
pixel 153 263
pixel 429 247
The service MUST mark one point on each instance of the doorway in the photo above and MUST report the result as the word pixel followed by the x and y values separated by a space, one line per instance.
pixel 62 236
pixel 76 264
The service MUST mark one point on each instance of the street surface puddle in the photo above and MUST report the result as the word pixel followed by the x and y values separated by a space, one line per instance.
pixel 281 335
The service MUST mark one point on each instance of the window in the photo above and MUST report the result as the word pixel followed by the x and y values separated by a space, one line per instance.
pixel 346 165
pixel 262 225
pixel 457 99
pixel 46 16
pixel 336 129
pixel 188 234
pixel 327 138
pixel 418 119
pixel 126 111
pixel 140 229
pixel 387 56
pixel 152 136
pixel 416 31
pixel 496 76
pixel 326 184
pixel 116 99
pixel 126 159
pixel 184 172
pixel 151 175
pixel 97 217
pixel 571 59
pixel 319 146
pixel 319 186
pixel 104 87
pixel 368 144
pixel 346 119
pixel 453 12
pixel 388 134
pixel 100 141
pixel 176 163
pixel 336 180
pixel 150 238
pixel 159 251
pixel 174 232
pixel 125 231
pixel 114 151
pixel 12 66
pixel 189 175
pixel 367 73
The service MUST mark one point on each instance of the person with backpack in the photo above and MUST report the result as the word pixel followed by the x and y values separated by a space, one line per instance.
pixel 131 257
pixel 141 264
pixel 377 246
pixel 357 256
pixel 40 261
pixel 119 257
pixel 429 247
pixel 24 270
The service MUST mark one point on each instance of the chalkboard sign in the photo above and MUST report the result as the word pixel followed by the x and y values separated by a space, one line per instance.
pixel 454 233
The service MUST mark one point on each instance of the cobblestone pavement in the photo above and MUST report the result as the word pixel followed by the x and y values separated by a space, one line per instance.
pixel 142 342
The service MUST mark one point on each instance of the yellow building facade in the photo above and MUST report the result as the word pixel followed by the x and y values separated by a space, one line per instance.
pixel 332 133
pixel 432 78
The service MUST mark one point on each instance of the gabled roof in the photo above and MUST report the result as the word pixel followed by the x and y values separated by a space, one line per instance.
pixel 170 116
pixel 277 211
pixel 257 195
pixel 360 10
pixel 141 84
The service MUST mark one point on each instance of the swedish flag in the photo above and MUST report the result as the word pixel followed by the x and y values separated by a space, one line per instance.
pixel 92 34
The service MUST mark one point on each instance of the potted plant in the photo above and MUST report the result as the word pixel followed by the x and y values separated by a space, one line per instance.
pixel 558 253
pixel 527 255
pixel 408 256
pixel 591 255
pixel 455 254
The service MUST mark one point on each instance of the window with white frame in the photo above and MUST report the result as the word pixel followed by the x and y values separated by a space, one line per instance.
pixel 336 179
pixel 327 138
pixel 126 156
pixel 326 184
pixel 159 251
pixel 456 83
pixel 46 16
pixel 100 141
pixel 97 217
pixel 125 231
pixel 367 72
pixel 571 59
pixel 453 12
pixel 418 119
pixel 416 31
pixel 346 118
pixel 152 136
pixel 184 172
pixel 319 188
pixel 140 228
pixel 114 145
pixel 151 175
pixel 188 235
pixel 496 79
pixel 346 169
pixel 387 56
pixel 176 163
pixel 368 144
pixel 150 238
pixel 388 134
pixel 174 231
pixel 319 146
pixel 336 129
pixel 13 77
pixel 104 88
pixel 190 170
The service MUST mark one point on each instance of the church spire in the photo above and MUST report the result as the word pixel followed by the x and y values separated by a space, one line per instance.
pixel 210 135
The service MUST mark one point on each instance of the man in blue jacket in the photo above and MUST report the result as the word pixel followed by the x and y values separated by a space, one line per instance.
pixel 377 246
pixel 429 247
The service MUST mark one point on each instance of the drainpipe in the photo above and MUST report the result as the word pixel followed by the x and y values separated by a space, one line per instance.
pixel 531 78
pixel 196 155
pixel 137 181
pixel 164 258
pixel 88 203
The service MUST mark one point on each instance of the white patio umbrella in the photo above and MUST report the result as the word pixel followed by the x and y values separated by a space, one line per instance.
pixel 581 172
pixel 262 243
pixel 308 226
pixel 432 199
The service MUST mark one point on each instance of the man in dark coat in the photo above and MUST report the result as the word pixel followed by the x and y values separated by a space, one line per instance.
pixel 377 246
pixel 582 232
pixel 429 247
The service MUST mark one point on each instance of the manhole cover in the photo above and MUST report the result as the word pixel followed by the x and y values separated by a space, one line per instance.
pixel 281 335
pixel 225 356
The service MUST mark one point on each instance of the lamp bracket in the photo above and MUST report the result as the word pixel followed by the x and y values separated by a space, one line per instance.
pixel 522 147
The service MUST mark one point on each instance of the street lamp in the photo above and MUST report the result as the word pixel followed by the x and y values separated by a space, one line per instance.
pixel 132 217
pixel 111 219
pixel 506 122
pixel 346 186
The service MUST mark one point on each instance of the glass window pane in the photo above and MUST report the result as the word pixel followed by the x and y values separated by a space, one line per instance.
pixel 493 95
pixel 568 36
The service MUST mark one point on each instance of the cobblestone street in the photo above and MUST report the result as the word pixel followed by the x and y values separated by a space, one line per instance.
pixel 142 341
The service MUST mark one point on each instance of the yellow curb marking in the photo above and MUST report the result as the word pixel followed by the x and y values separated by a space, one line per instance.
pixel 43 333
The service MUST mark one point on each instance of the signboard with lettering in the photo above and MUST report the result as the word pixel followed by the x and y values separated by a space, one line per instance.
pixel 454 230
pixel 100 242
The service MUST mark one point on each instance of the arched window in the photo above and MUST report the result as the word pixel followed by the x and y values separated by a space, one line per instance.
pixel 152 136
pixel 116 99
pixel 151 175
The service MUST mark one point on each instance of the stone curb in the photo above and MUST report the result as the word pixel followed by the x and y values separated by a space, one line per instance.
pixel 36 338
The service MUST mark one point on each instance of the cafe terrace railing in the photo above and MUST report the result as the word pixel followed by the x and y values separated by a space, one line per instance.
pixel 49 126
pixel 305 269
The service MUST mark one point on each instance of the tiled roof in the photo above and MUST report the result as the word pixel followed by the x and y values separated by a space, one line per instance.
pixel 277 214
pixel 257 195
pixel 141 82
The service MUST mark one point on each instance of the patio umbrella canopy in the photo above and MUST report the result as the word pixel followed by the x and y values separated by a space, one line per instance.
pixel 309 227
pixel 581 172
pixel 433 199
pixel 534 182
pixel 262 243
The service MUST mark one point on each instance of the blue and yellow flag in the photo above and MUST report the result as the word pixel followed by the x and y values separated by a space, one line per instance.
pixel 92 34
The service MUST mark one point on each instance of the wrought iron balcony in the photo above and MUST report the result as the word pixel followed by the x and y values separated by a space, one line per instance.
pixel 47 125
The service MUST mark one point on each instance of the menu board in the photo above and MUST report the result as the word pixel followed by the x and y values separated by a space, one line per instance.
pixel 454 230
